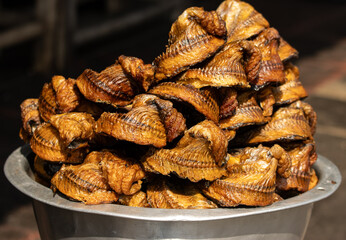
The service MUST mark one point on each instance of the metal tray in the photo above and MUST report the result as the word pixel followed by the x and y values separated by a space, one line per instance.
pixel 59 218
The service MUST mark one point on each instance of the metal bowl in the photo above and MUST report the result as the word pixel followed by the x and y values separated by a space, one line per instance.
pixel 59 218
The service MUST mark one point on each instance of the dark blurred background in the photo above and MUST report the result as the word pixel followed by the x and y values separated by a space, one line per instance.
pixel 41 38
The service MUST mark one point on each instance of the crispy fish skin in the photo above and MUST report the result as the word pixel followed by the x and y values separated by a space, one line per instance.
pixel 164 193
pixel 167 133
pixel 75 129
pixel 84 183
pixel 30 115
pixel 195 36
pixel 286 51
pixel 242 20
pixel 253 60
pixel 142 125
pixel 174 121
pixel 225 69
pixel 216 138
pixel 271 68
pixel 47 103
pixel 284 160
pixel 151 121
pixel 309 113
pixel 139 199
pixel 292 89
pixel 246 113
pixel 251 180
pixel 47 144
pixel 229 103
pixel 110 86
pixel 203 102
pixel 197 155
pixel 67 94
pixel 287 124
pixel 301 171
pixel 266 101
pixel 123 175
pixel 193 161
pixel 140 72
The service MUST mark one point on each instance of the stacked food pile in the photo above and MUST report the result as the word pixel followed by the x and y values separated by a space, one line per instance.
pixel 216 120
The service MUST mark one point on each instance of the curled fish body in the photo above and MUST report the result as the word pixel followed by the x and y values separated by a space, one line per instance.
pixel 47 144
pixel 30 115
pixel 250 181
pixel 225 69
pixel 110 86
pixel 202 101
pixel 195 36
pixel 246 113
pixel 242 20
pixel 84 183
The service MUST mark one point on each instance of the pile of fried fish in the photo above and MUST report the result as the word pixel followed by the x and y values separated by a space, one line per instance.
pixel 217 120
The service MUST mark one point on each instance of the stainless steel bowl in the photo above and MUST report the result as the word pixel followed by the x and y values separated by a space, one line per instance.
pixel 59 218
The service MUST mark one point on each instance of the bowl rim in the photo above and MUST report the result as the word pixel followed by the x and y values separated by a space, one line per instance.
pixel 18 172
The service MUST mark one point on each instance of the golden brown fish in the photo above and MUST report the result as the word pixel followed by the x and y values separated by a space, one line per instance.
pixel 178 194
pixel 247 113
pixel 75 129
pixel 110 86
pixel 139 199
pixel 225 69
pixel 286 51
pixel 287 124
pixel 271 67
pixel 123 175
pixel 174 121
pixel 252 61
pixel 195 157
pixel 301 172
pixel 209 131
pixel 292 89
pixel 284 160
pixel 309 113
pixel 30 115
pixel 140 72
pixel 266 100
pixel 193 161
pixel 142 125
pixel 202 100
pixel 47 144
pixel 190 123
pixel 194 36
pixel 145 123
pixel 229 103
pixel 251 180
pixel 242 20
pixel 47 103
pixel 84 183
pixel 67 94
